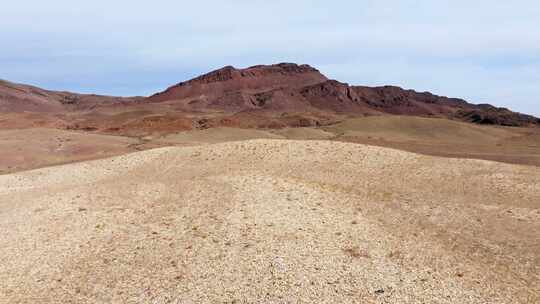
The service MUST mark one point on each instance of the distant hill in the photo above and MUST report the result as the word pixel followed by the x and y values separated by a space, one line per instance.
pixel 302 88
pixel 20 97
pixel 263 96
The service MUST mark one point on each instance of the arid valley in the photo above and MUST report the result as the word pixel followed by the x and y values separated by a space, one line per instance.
pixel 269 184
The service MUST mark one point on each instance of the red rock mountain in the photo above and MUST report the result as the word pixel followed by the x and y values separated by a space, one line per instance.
pixel 268 96
pixel 259 87
pixel 288 87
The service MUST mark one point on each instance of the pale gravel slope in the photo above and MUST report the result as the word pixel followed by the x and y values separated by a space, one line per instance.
pixel 271 221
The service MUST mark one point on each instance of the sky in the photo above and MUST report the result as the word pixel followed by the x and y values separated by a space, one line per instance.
pixel 483 51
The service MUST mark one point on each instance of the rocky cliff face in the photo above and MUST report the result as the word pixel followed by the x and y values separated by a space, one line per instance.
pixel 221 84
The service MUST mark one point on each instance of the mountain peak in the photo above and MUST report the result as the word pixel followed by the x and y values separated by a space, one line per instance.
pixel 285 67
pixel 254 78
pixel 230 73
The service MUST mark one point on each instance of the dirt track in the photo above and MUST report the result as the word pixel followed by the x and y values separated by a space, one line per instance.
pixel 271 221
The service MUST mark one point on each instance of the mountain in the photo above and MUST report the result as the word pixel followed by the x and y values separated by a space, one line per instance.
pixel 260 87
pixel 301 88
pixel 25 98
pixel 262 96
pixel 17 97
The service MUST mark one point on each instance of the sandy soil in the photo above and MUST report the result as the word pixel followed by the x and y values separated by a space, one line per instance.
pixel 215 135
pixel 39 147
pixel 24 149
pixel 271 221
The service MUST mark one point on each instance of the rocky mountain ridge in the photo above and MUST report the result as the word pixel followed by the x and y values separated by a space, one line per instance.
pixel 278 90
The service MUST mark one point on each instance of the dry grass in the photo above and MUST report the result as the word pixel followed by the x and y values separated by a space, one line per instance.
pixel 441 137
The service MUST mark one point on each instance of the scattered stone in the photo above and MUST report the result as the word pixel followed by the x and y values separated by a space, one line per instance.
pixel 356 252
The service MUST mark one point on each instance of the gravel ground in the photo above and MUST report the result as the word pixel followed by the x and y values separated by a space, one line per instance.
pixel 271 221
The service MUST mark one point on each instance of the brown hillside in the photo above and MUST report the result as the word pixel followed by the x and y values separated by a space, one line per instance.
pixel 289 87
pixel 265 96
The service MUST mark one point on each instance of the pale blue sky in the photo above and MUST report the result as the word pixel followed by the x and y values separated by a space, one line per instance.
pixel 484 51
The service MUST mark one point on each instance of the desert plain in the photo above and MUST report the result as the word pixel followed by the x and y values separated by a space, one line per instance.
pixel 236 198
